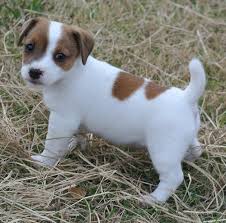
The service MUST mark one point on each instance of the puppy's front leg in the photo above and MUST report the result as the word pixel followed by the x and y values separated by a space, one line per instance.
pixel 60 131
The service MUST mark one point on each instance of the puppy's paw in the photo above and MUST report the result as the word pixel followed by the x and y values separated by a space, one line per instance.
pixel 44 161
pixel 148 199
pixel 78 140
pixel 82 140
pixel 193 153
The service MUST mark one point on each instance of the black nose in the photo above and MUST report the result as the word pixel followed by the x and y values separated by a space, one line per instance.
pixel 35 73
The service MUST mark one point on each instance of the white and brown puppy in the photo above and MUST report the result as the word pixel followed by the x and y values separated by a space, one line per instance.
pixel 81 90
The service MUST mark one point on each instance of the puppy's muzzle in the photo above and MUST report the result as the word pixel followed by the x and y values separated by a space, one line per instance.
pixel 35 74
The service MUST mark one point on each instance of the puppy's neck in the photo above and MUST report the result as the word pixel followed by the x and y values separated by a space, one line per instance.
pixel 74 75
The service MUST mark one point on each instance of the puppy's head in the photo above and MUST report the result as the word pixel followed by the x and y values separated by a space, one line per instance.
pixel 51 50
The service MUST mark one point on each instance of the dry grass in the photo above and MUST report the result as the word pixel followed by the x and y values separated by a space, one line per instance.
pixel 155 39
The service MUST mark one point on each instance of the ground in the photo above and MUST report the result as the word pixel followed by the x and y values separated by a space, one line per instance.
pixel 153 39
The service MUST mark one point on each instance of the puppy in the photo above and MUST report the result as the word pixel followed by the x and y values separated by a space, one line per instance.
pixel 124 109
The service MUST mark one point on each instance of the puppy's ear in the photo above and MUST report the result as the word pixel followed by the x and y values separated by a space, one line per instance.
pixel 85 42
pixel 26 28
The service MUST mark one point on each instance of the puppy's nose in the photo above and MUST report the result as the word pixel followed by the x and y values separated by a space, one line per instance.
pixel 35 73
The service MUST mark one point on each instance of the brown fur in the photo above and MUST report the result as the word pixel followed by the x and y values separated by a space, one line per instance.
pixel 36 32
pixel 125 85
pixel 152 90
pixel 74 42
pixel 27 26
pixel 85 41
pixel 68 46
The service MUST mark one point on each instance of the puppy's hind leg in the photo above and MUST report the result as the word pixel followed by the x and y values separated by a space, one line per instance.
pixel 166 155
pixel 194 150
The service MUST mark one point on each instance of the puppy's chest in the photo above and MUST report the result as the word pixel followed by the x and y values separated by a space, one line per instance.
pixel 57 101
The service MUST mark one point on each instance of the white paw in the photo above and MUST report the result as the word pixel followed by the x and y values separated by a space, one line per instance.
pixel 44 161
pixel 193 153
pixel 78 140
pixel 150 200
pixel 82 142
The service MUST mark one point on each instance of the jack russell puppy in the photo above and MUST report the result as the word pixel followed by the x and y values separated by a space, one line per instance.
pixel 80 90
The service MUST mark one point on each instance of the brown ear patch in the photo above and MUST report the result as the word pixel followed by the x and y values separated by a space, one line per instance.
pixel 152 90
pixel 68 46
pixel 125 85
pixel 38 36
pixel 27 26
pixel 85 41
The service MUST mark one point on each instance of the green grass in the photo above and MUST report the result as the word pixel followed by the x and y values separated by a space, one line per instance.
pixel 154 39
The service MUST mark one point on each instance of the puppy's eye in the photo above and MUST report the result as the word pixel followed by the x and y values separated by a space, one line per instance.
pixel 60 57
pixel 29 47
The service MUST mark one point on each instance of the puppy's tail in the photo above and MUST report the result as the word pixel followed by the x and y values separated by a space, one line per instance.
pixel 197 83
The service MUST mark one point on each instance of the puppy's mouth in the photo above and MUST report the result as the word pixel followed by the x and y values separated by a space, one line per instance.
pixel 34 82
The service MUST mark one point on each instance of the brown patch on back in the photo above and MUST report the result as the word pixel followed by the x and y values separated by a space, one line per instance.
pixel 37 35
pixel 68 46
pixel 125 85
pixel 152 90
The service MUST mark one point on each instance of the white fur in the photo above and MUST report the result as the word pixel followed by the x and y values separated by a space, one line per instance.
pixel 167 125
pixel 198 79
